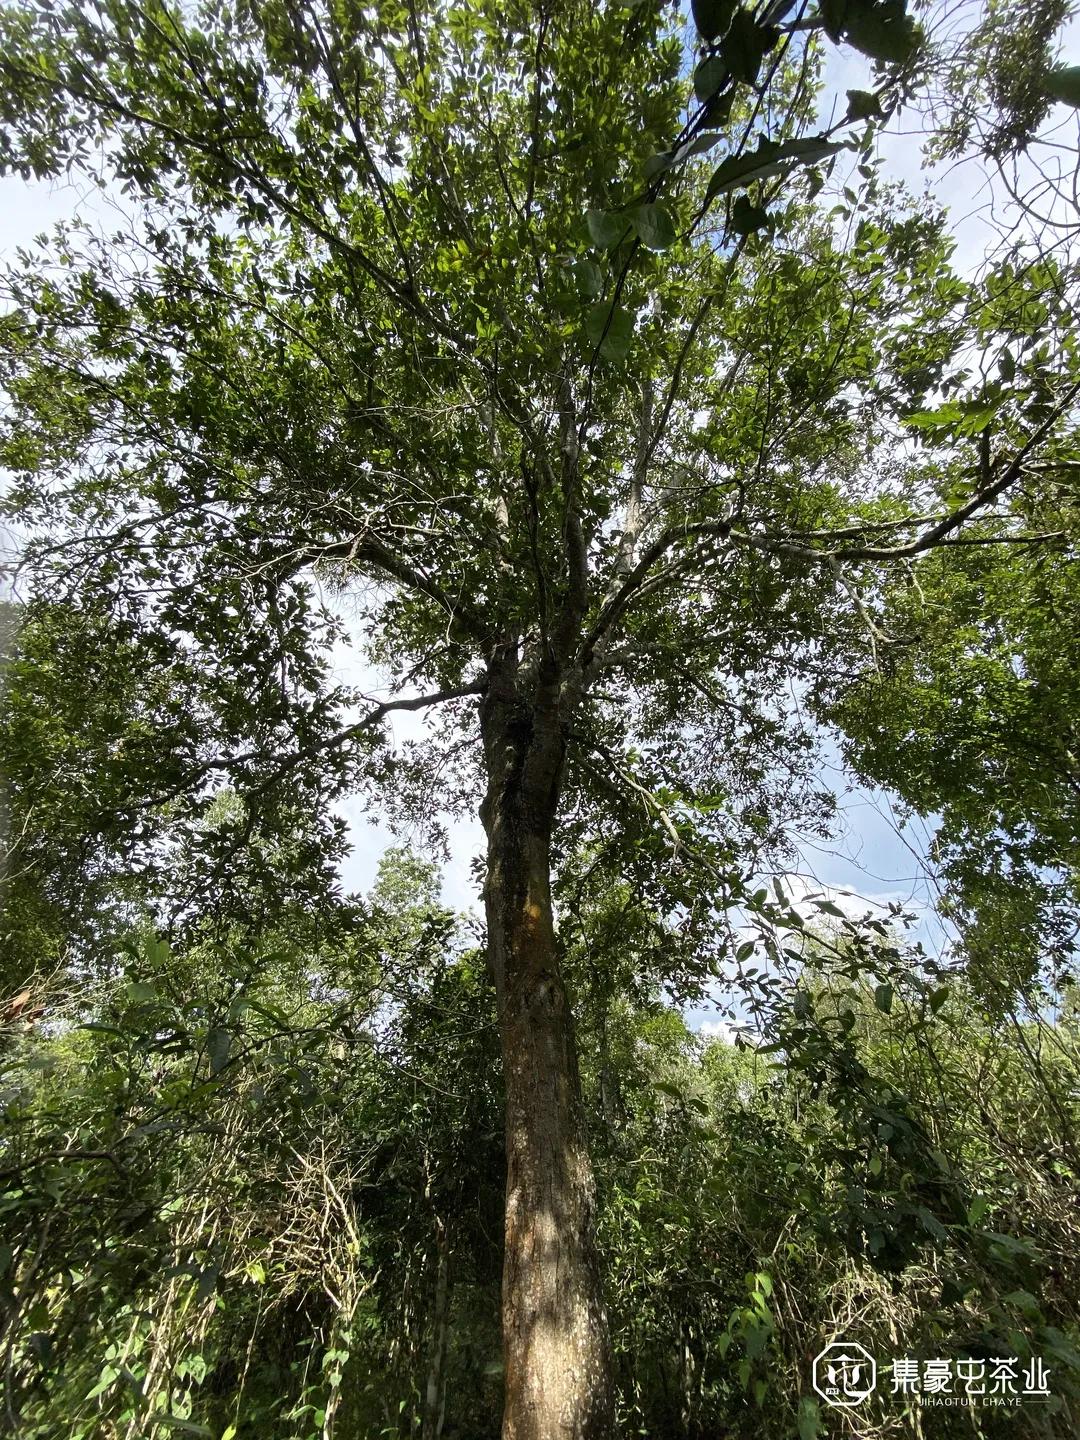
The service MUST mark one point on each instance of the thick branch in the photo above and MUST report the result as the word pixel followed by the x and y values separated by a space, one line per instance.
pixel 376 552
pixel 612 609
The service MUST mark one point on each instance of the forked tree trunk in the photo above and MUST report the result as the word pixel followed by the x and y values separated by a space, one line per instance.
pixel 556 1349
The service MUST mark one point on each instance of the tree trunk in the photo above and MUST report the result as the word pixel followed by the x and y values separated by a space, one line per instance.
pixel 435 1388
pixel 556 1348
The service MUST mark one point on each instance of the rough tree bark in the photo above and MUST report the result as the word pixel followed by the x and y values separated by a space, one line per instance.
pixel 558 1373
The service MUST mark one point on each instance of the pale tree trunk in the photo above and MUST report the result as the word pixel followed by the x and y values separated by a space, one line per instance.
pixel 556 1349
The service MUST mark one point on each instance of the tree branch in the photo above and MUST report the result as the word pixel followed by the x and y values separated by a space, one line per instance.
pixel 230 763
pixel 940 533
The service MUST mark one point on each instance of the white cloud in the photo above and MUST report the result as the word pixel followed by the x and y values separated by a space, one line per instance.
pixel 718 1030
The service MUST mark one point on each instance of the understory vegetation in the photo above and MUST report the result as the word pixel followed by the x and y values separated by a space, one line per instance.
pixel 255 1188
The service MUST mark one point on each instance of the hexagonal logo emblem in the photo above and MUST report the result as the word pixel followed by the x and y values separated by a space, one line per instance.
pixel 845 1373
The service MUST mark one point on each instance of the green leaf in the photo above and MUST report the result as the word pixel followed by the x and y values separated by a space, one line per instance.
pixel 829 907
pixel 812 149
pixel 809 1418
pixel 977 1209
pixel 1010 1245
pixel 708 77
pixel 883 31
pixel 1064 84
pixel 707 140
pixel 109 1376
pixel 747 218
pixel 657 164
pixel 767 160
pixel 863 105
pixel 832 14
pixel 931 1223
pixel 606 228
pixel 718 110
pixel 770 158
pixel 218 1044
pixel 1023 1300
pixel 883 998
pixel 589 278
pixel 746 45
pixel 206 1284
pixel 934 419
pixel 712 17
pixel 654 226
pixel 953 1291
pixel 611 329
pixel 757 1337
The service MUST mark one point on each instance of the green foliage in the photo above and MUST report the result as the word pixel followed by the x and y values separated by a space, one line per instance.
pixel 1063 83
pixel 974 723
pixel 250 1234
pixel 883 29
pixel 225 1173
pixel 1000 81
pixel 745 1218
pixel 327 212
pixel 631 427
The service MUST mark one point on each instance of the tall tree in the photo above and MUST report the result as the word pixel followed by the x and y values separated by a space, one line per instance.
pixel 602 435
